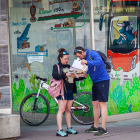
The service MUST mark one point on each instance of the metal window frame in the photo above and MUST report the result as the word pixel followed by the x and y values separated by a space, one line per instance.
pixel 92 25
pixel 9 54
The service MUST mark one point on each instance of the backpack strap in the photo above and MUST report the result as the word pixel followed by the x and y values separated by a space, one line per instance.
pixel 91 59
pixel 90 55
pixel 62 84
pixel 62 88
pixel 58 68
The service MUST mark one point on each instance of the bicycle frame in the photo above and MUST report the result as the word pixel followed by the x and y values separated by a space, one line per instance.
pixel 31 111
pixel 44 85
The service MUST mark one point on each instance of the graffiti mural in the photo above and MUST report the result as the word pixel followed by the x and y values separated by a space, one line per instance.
pixel 38 29
pixel 122 98
pixel 123 52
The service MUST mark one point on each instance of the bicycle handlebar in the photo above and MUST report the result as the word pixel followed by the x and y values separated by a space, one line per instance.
pixel 43 79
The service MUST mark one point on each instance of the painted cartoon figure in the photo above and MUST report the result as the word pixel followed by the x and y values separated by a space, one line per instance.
pixel 126 35
pixel 23 38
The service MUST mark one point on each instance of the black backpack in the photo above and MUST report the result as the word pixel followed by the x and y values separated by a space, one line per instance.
pixel 105 59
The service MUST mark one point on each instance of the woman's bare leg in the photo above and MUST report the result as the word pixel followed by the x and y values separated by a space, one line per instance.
pixel 61 109
pixel 67 113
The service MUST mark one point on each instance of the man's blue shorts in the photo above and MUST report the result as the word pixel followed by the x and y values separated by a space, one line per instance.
pixel 67 96
pixel 100 91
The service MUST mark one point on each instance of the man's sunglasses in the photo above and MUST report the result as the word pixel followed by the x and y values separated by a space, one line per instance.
pixel 77 51
pixel 65 52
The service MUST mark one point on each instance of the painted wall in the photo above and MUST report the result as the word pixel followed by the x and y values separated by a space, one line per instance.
pixel 123 52
pixel 38 54
pixel 37 31
pixel 124 94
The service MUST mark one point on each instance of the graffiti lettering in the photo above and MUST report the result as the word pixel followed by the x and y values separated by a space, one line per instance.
pixel 64 37
pixel 19 23
pixel 28 2
pixel 41 9
pixel 58 9
pixel 124 10
pixel 23 19
pixel 17 32
pixel 45 11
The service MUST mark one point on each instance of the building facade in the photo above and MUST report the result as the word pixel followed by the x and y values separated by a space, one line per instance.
pixel 4 62
pixel 38 28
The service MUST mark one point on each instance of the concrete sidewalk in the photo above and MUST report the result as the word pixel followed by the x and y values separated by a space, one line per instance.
pixel 123 130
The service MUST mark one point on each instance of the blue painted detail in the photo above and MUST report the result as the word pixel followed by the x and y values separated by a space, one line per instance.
pixel 46 52
pixel 23 19
pixel 37 48
pixel 19 23
pixel 23 36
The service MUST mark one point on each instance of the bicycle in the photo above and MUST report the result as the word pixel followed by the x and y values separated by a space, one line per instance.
pixel 35 108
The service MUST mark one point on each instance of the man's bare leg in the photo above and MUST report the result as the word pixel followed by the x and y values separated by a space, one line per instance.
pixel 96 112
pixel 104 113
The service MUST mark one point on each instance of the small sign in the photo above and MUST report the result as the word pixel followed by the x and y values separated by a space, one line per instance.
pixel 32 58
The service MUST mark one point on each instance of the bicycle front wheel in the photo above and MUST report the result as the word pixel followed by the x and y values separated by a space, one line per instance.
pixel 83 116
pixel 34 114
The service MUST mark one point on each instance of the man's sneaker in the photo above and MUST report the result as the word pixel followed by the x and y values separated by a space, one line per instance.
pixel 101 131
pixel 61 133
pixel 71 131
pixel 92 129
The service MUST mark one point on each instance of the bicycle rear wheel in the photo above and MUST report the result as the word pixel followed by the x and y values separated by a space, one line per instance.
pixel 39 114
pixel 83 116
